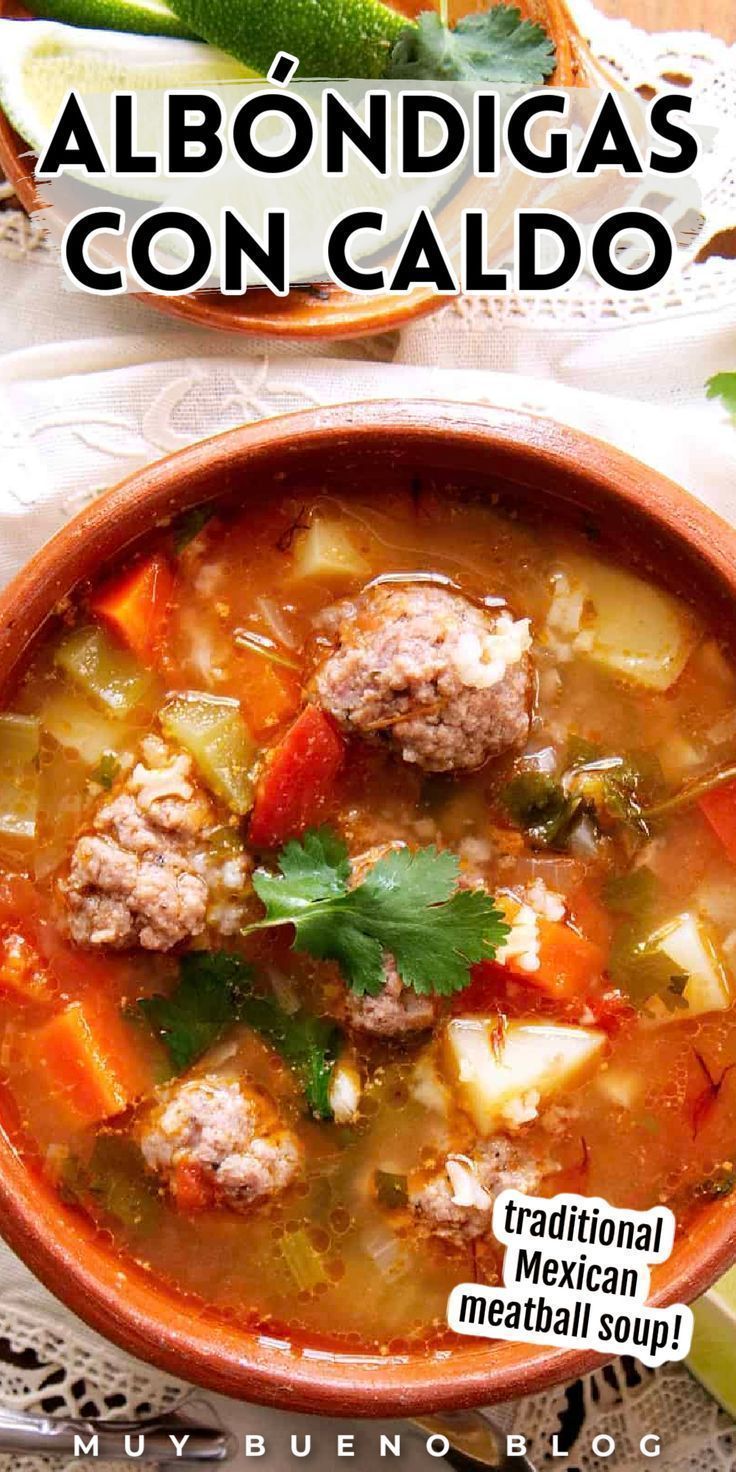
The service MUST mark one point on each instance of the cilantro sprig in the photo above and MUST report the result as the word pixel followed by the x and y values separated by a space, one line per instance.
pixel 407 905
pixel 496 45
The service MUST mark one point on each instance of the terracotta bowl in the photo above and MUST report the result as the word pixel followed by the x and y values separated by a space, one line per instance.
pixel 656 526
pixel 324 311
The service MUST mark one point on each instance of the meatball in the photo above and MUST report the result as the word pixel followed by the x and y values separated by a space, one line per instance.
pixel 228 1131
pixel 396 1011
pixel 445 682
pixel 146 875
pixel 456 1202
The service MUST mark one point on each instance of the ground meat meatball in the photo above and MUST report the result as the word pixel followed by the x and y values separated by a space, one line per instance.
pixel 394 1013
pixel 447 683
pixel 397 1011
pixel 146 875
pixel 456 1202
pixel 227 1130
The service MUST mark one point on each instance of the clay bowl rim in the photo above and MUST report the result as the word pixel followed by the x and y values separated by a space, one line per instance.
pixel 114 1296
pixel 341 315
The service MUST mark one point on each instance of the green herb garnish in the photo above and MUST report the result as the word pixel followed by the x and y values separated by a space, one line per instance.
pixel 407 905
pixel 212 988
pixel 190 525
pixel 494 46
pixel 391 1189
pixel 214 992
pixel 537 802
pixel 723 386
pixel 106 770
pixel 720 1183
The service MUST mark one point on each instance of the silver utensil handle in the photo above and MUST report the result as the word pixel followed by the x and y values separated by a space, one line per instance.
pixel 200 1445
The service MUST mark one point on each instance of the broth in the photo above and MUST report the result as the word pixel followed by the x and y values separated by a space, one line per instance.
pixel 630 918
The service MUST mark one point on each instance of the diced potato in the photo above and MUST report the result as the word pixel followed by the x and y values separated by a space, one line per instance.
pixel 328 550
pixel 77 726
pixel 687 944
pixel 638 631
pixel 678 758
pixel 19 745
pixel 211 728
pixel 110 676
pixel 494 1072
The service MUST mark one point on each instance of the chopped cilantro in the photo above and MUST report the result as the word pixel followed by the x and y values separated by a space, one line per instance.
pixel 407 905
pixel 720 1182
pixel 213 993
pixel 496 45
pixel 188 526
pixel 723 386
pixel 537 802
pixel 212 987
pixel 106 770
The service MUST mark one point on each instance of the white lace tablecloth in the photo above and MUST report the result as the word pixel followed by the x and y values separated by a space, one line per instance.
pixel 89 390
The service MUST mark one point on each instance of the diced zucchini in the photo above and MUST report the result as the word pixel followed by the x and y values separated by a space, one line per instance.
pixel 328 550
pixel 78 726
pixel 638 631
pixel 19 745
pixel 110 676
pixel 63 801
pixel 304 1262
pixel 211 728
pixel 495 1072
pixel 686 943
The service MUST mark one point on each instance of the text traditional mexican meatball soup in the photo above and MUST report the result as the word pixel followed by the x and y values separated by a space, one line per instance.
pixel 361 859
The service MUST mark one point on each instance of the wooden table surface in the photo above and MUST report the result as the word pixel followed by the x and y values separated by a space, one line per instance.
pixel 716 16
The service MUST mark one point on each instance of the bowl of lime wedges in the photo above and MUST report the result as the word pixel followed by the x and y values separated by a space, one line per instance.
pixel 108 45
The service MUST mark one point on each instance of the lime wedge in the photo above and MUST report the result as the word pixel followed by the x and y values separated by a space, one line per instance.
pixel 712 1358
pixel 144 17
pixel 41 59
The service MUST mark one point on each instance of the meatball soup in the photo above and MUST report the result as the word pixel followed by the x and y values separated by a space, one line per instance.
pixel 359 859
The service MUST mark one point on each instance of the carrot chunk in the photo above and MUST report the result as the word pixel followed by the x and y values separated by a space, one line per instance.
pixel 22 972
pixel 568 962
pixel 297 779
pixel 269 694
pixel 136 605
pixel 719 807
pixel 89 1061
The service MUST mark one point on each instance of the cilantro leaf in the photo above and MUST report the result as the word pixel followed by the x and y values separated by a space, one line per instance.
pixel 723 386
pixel 407 906
pixel 189 525
pixel 213 993
pixel 309 1045
pixel 211 989
pixel 494 46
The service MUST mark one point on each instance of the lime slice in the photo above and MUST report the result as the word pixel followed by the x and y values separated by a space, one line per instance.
pixel 41 59
pixel 144 17
pixel 712 1357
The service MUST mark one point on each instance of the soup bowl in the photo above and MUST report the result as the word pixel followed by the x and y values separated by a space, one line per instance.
pixel 658 529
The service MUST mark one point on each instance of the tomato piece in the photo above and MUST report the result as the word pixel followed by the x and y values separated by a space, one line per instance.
pixel 22 972
pixel 719 808
pixel 190 1187
pixel 136 605
pixel 297 779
